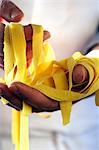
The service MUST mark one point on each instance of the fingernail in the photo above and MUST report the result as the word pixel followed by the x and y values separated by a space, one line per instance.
pixel 15 16
pixel 16 13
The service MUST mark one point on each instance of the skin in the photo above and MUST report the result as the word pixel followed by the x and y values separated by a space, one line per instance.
pixel 17 91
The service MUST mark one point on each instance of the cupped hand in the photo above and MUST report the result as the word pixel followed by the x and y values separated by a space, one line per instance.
pixel 18 92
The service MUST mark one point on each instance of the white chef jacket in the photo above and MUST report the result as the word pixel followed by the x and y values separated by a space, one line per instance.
pixel 72 24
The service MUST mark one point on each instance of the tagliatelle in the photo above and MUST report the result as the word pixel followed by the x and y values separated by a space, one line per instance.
pixel 52 78
pixel 69 95
pixel 15 57
pixel 61 82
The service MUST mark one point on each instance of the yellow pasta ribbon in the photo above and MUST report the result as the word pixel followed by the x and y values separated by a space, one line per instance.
pixel 15 55
pixel 91 64
pixel 52 78
pixel 61 82
pixel 15 58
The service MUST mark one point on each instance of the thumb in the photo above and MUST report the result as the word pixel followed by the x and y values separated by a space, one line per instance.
pixel 10 12
pixel 80 74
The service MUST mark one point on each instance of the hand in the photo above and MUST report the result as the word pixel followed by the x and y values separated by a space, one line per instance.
pixel 11 13
pixel 14 14
pixel 18 92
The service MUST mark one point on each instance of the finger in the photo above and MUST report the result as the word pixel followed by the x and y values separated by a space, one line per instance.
pixel 33 97
pixel 5 93
pixel 29 32
pixel 80 74
pixel 29 53
pixel 2 27
pixel 10 12
pixel 28 36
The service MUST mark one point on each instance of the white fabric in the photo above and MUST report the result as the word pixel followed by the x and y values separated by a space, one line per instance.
pixel 72 23
pixel 94 53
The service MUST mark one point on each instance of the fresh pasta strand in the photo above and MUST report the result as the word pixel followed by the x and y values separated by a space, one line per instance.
pixel 44 74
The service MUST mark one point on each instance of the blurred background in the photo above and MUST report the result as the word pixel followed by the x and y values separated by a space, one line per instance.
pixel 72 24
